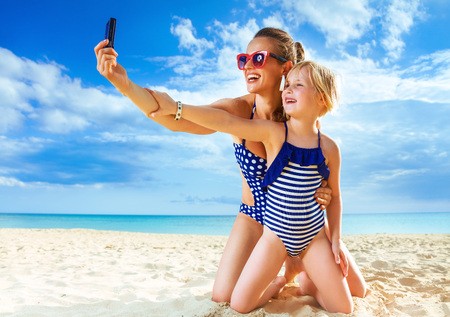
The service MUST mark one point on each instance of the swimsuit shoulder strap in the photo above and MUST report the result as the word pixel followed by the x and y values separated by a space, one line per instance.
pixel 253 110
pixel 318 136
pixel 251 117
pixel 286 131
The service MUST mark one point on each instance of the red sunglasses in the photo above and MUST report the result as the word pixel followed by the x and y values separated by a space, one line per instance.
pixel 258 59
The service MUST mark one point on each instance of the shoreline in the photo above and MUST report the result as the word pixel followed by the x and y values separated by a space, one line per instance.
pixel 87 272
pixel 408 223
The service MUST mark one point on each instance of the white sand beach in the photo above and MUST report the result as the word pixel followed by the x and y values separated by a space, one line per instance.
pixel 55 272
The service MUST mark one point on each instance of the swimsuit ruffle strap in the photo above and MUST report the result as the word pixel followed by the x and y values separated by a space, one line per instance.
pixel 303 157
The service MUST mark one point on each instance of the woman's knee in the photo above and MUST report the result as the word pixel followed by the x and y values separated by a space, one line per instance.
pixel 220 298
pixel 221 294
pixel 344 307
pixel 241 305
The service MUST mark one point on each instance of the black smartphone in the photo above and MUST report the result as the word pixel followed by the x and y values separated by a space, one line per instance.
pixel 110 32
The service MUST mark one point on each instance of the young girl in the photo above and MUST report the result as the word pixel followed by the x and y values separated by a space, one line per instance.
pixel 299 157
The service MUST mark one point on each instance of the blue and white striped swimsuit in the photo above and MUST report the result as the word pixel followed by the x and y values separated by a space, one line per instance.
pixel 292 212
pixel 253 169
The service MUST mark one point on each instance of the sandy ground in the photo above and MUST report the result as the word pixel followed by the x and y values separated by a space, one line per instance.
pixel 105 273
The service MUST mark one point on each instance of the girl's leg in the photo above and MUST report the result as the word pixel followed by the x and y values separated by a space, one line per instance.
pixel 329 286
pixel 258 282
pixel 243 237
pixel 355 279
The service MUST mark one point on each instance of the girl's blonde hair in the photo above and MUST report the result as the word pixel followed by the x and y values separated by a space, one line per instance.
pixel 323 80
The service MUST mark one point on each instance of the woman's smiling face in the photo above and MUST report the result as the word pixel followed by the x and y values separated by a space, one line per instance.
pixel 268 77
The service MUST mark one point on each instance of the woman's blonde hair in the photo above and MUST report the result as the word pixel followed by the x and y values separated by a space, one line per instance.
pixel 286 46
pixel 323 80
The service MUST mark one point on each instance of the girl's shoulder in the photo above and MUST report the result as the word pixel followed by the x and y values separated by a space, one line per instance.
pixel 328 145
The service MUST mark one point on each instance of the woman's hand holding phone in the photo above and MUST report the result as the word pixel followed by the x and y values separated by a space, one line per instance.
pixel 107 64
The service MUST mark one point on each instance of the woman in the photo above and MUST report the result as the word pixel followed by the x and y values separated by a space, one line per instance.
pixel 299 157
pixel 262 102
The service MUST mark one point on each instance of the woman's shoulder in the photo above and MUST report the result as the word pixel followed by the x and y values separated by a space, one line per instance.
pixel 239 106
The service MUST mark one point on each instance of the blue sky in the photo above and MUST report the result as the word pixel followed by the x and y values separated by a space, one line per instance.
pixel 71 144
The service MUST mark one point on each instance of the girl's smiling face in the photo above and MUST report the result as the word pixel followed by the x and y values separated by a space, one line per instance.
pixel 299 95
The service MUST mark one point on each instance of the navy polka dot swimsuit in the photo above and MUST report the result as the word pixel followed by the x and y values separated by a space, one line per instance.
pixel 253 169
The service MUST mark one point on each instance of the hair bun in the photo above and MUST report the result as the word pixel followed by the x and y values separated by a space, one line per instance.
pixel 300 52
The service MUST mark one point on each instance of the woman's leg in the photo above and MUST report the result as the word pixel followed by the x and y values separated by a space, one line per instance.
pixel 258 281
pixel 329 286
pixel 243 237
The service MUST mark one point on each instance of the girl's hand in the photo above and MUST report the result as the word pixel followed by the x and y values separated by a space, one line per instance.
pixel 340 255
pixel 108 67
pixel 167 105
pixel 323 195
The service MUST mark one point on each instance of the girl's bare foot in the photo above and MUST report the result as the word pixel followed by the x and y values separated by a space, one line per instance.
pixel 277 285
pixel 306 286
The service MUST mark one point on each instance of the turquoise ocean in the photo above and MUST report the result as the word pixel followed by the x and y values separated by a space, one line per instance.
pixel 420 223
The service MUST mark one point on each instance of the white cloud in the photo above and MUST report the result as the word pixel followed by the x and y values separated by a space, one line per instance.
pixel 41 92
pixel 10 119
pixel 14 182
pixel 436 63
pixel 391 175
pixel 339 21
pixel 186 34
pixel 344 24
pixel 13 91
pixel 57 121
pixel 214 149
pixel 276 20
pixel 234 35
pixel 11 182
pixel 13 147
pixel 207 74
pixel 399 19
pixel 182 64
pixel 363 50
pixel 365 80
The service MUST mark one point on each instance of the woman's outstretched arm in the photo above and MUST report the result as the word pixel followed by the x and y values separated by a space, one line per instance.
pixel 116 74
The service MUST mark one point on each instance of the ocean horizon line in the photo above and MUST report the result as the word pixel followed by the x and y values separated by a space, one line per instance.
pixel 200 214
pixel 426 222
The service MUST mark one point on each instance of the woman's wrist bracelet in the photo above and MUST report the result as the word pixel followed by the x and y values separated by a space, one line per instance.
pixel 179 110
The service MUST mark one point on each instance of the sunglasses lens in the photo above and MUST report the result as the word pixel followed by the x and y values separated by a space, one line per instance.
pixel 258 60
pixel 242 60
